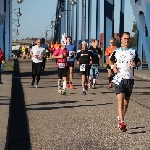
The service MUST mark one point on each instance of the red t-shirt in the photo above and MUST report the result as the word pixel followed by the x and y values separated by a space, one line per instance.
pixel 58 52
pixel 1 56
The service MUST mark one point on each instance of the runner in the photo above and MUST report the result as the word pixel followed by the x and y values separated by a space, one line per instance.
pixel 94 71
pixel 44 45
pixel 125 60
pixel 71 48
pixel 51 48
pixel 83 59
pixel 61 55
pixel 1 61
pixel 38 53
pixel 108 53
pixel 57 45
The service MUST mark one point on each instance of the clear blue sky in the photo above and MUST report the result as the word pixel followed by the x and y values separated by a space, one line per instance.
pixel 37 14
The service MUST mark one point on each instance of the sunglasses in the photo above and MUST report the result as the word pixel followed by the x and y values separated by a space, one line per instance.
pixel 111 42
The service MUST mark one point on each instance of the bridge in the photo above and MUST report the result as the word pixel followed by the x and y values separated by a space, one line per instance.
pixel 67 21
pixel 41 119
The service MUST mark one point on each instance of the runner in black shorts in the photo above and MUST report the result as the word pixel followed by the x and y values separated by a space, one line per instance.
pixel 125 60
pixel 83 59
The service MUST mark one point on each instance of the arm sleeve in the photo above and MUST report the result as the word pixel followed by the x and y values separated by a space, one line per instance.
pixel 78 56
pixel 137 59
pixel 113 57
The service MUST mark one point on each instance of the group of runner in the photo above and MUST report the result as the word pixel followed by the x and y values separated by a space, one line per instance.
pixel 120 65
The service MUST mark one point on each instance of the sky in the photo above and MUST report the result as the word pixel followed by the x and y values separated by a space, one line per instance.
pixel 37 15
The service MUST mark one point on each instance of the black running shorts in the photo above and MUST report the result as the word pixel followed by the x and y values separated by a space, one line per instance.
pixel 70 64
pixel 125 86
pixel 62 72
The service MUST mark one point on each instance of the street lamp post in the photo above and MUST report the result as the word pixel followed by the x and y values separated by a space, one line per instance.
pixel 18 13
pixel 19 1
pixel 18 24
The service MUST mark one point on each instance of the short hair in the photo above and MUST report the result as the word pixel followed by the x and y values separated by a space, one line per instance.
pixel 68 37
pixel 92 40
pixel 128 33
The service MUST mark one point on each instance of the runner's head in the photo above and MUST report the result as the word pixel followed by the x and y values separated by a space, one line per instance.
pixel 68 39
pixel 92 42
pixel 42 40
pixel 84 45
pixel 96 43
pixel 38 42
pixel 111 42
pixel 63 44
pixel 125 39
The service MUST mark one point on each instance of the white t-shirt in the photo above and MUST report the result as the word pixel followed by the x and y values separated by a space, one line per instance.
pixel 123 59
pixel 38 51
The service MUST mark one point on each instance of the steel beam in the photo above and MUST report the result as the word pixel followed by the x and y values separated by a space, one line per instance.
pixel 83 25
pixel 108 23
pixel 141 10
pixel 98 19
pixel 89 21
pixel 72 24
pixel 77 24
pixel 121 25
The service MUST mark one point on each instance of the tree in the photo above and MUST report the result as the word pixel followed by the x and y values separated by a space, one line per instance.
pixel 133 41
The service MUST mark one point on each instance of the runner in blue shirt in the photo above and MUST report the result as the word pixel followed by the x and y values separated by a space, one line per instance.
pixel 71 48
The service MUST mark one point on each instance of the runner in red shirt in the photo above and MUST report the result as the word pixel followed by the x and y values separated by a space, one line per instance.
pixel 61 55
pixel 51 48
pixel 1 61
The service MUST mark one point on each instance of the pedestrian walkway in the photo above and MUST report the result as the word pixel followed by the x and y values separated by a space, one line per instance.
pixel 5 97
pixel 75 121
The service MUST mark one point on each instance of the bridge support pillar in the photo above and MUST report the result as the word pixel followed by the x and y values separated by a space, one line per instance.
pixel 108 24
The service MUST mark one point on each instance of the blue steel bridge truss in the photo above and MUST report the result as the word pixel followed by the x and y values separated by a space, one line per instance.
pixel 81 13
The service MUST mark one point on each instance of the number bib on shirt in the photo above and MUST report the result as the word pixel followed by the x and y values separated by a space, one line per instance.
pixel 82 67
pixel 61 65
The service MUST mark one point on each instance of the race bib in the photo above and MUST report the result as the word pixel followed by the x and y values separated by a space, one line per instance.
pixel 70 53
pixel 61 65
pixel 82 67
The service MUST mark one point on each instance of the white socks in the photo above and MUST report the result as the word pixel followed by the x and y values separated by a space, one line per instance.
pixel 94 81
pixel 59 84
pixel 64 85
pixel 90 78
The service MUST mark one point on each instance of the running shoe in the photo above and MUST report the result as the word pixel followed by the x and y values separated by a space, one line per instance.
pixel 72 86
pixel 63 92
pixel 122 126
pixel 68 86
pixel 84 93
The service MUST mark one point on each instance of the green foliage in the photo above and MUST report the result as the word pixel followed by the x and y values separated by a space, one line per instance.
pixel 133 41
